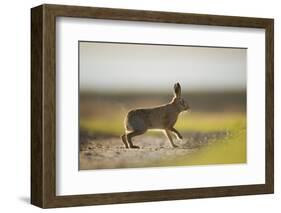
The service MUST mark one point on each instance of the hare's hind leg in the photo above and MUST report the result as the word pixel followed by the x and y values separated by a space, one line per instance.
pixel 170 138
pixel 124 140
pixel 133 134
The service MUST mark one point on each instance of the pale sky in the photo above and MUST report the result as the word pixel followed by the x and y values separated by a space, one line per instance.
pixel 115 67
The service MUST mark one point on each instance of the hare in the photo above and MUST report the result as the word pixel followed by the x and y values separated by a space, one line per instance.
pixel 164 117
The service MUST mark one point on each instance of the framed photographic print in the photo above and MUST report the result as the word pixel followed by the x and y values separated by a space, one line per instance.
pixel 136 106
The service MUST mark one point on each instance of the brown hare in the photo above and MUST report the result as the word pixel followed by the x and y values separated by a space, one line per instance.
pixel 164 117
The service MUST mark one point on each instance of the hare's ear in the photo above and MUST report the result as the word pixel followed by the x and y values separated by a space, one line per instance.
pixel 177 89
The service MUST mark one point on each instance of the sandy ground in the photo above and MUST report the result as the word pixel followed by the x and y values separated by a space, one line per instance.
pixel 107 151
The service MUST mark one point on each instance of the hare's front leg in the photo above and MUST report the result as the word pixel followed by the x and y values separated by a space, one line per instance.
pixel 179 136
pixel 133 134
pixel 170 138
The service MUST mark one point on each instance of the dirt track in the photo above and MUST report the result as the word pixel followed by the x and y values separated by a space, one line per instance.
pixel 107 151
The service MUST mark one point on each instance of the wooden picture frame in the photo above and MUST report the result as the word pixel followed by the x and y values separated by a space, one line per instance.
pixel 43 105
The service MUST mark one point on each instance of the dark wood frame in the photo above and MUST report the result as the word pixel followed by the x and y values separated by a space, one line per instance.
pixel 43 105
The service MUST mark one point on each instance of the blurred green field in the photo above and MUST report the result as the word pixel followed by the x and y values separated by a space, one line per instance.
pixel 198 121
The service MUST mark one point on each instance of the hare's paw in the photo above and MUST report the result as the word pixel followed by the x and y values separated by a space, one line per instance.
pixel 134 147
pixel 180 137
